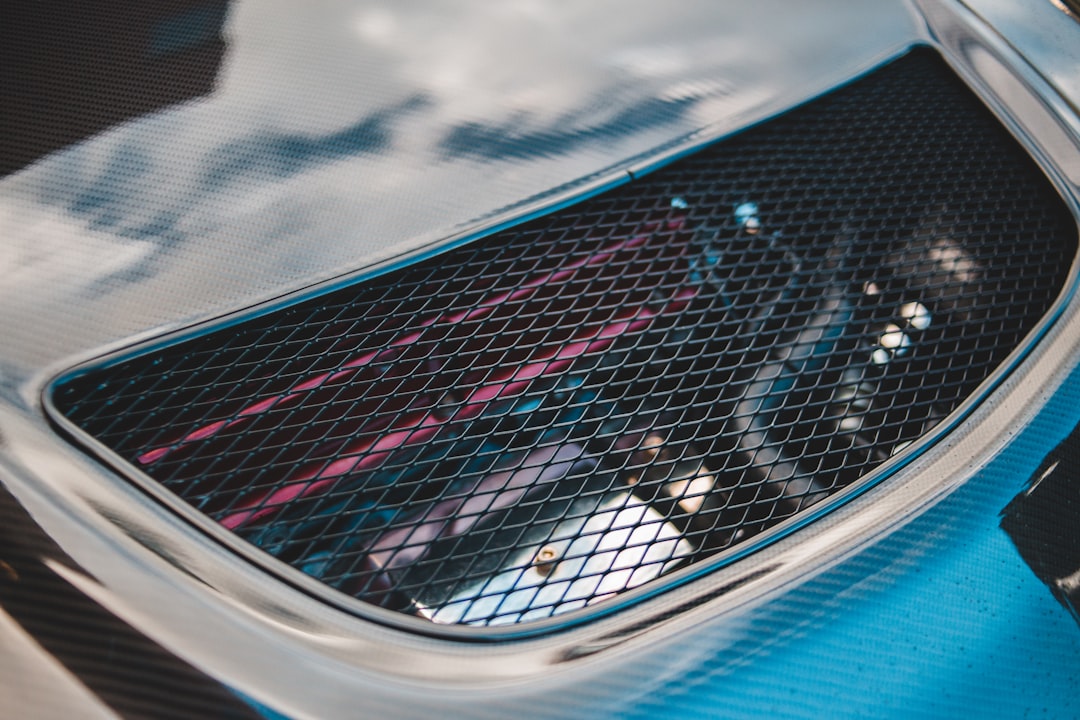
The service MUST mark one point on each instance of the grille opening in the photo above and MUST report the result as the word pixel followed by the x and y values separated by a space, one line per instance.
pixel 546 417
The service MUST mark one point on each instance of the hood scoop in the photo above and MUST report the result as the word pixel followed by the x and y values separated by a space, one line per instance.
pixel 544 418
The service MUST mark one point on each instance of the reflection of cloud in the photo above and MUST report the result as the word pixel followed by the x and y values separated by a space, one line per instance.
pixel 311 85
pixel 342 133
pixel 51 246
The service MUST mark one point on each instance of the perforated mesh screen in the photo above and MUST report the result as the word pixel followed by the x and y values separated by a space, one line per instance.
pixel 548 416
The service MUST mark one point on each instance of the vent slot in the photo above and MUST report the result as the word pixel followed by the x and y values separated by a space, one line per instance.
pixel 544 418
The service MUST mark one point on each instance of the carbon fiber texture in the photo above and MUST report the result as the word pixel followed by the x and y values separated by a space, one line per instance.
pixel 132 675
pixel 72 70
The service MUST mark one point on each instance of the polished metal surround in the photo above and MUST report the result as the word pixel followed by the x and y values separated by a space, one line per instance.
pixel 281 646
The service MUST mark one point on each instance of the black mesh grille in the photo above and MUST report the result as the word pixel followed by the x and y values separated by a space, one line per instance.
pixel 546 417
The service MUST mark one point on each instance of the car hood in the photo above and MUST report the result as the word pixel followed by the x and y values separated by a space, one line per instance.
pixel 340 136
pixel 341 140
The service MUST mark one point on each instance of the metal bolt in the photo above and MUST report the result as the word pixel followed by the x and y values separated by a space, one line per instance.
pixel 746 216
pixel 893 338
pixel 545 560
pixel 916 314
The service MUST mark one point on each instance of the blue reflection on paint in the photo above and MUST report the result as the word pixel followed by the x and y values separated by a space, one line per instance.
pixel 940 619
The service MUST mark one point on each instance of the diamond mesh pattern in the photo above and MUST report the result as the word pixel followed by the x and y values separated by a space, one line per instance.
pixel 570 408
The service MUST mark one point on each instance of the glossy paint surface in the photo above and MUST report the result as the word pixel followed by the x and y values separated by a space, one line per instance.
pixel 942 619
pixel 341 134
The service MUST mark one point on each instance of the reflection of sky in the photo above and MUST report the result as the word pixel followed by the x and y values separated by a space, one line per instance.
pixel 341 131
pixel 1042 32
